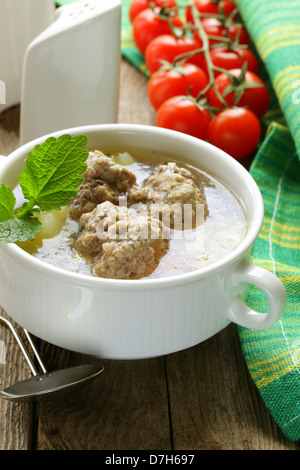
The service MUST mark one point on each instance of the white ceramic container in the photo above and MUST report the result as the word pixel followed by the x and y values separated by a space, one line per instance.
pixel 20 22
pixel 71 70
pixel 120 319
pixel 61 64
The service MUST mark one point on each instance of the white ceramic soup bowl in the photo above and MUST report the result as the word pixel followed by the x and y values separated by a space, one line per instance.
pixel 121 319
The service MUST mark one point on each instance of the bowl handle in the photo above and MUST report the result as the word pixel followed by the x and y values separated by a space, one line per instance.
pixel 239 311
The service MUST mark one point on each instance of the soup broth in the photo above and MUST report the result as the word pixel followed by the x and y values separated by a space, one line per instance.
pixel 190 249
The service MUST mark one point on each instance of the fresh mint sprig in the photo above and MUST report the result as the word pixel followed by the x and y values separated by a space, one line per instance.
pixel 51 176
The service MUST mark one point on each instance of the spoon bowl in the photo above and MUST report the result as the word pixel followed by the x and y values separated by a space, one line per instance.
pixel 48 385
pixel 44 386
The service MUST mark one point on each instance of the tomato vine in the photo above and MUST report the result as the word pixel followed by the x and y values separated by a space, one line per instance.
pixel 201 71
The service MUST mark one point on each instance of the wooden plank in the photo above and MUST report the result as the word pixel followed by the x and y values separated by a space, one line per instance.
pixel 16 419
pixel 134 106
pixel 9 130
pixel 125 408
pixel 213 402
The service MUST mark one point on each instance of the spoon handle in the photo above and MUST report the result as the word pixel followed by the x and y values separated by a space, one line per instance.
pixel 38 357
pixel 22 346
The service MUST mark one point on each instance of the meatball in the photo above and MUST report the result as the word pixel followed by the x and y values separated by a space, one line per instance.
pixel 123 244
pixel 103 180
pixel 173 195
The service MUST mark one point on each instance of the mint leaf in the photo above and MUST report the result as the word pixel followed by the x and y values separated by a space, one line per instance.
pixel 51 176
pixel 28 209
pixel 13 229
pixel 7 203
pixel 54 171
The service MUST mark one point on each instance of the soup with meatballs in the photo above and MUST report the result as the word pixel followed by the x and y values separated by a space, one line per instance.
pixel 138 216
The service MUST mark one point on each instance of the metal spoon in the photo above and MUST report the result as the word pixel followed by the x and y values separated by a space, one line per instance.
pixel 45 385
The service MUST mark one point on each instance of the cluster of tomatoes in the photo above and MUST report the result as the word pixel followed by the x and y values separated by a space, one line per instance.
pixel 203 77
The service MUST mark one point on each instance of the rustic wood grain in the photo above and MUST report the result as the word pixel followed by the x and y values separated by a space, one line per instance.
pixel 16 419
pixel 198 399
pixel 125 408
pixel 9 130
pixel 134 106
pixel 214 404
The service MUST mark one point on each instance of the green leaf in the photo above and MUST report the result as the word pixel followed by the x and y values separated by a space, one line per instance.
pixel 54 171
pixel 7 203
pixel 52 174
pixel 28 209
pixel 13 229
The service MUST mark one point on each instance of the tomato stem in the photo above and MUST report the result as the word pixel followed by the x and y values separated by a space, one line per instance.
pixel 205 46
pixel 187 55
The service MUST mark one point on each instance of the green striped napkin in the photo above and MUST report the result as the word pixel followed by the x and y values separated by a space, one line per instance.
pixel 273 355
pixel 60 3
pixel 274 27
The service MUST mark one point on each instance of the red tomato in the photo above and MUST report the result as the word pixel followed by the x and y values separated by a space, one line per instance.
pixel 236 131
pixel 203 6
pixel 255 98
pixel 183 115
pixel 167 47
pixel 207 6
pixel 148 24
pixel 167 83
pixel 137 6
pixel 239 31
pixel 227 59
pixel 214 27
pixel 227 6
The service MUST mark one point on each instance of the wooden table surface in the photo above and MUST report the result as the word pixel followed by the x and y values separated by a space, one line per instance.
pixel 198 399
